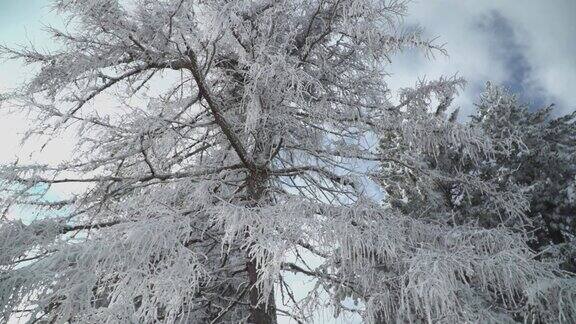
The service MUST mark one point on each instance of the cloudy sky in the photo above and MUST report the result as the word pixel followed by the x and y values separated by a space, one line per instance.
pixel 527 45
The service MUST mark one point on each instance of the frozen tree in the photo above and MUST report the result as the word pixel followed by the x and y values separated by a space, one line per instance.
pixel 534 157
pixel 532 162
pixel 544 165
pixel 446 177
pixel 240 146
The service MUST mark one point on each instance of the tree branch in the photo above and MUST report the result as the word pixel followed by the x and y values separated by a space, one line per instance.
pixel 218 115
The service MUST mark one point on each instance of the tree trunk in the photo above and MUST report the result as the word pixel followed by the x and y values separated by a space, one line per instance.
pixel 263 312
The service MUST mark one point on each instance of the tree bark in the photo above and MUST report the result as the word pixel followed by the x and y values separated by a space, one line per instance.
pixel 260 312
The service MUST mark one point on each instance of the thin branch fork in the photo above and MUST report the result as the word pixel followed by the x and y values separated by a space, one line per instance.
pixel 289 266
pixel 303 169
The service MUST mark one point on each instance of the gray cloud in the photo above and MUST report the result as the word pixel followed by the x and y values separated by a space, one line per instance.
pixel 505 47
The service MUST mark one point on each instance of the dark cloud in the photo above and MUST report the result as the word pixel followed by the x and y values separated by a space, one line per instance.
pixel 506 47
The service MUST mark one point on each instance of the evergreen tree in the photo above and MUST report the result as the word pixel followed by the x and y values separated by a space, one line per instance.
pixel 543 165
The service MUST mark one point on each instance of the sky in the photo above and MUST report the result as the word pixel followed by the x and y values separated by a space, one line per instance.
pixel 527 45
